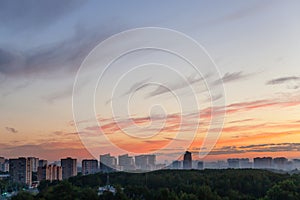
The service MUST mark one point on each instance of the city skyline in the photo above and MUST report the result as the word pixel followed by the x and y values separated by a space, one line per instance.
pixel 254 45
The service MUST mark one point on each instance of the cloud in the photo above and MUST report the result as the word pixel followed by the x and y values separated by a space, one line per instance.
pixel 162 89
pixel 11 130
pixel 271 147
pixel 137 86
pixel 55 59
pixel 283 80
pixel 23 15
pixel 230 77
pixel 292 81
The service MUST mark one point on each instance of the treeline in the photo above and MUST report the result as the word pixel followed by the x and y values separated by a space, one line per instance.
pixel 176 184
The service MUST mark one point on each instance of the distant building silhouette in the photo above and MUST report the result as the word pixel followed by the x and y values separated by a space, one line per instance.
pixel 280 163
pixel 233 163
pixel 89 166
pixel 200 165
pixel 20 170
pixel 49 172
pixel 145 162
pixel 187 160
pixel 108 163
pixel 126 162
pixel 176 164
pixel 4 164
pixel 69 167
pixel 263 163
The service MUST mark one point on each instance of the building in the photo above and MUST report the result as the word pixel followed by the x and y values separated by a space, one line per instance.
pixel 145 162
pixel 50 173
pixel 2 161
pixel 200 165
pixel 126 162
pixel 20 170
pixel 233 163
pixel 4 164
pixel 296 164
pixel 263 163
pixel 245 163
pixel 280 163
pixel 187 160
pixel 176 164
pixel 89 167
pixel 42 163
pixel 108 163
pixel 69 167
pixel 34 163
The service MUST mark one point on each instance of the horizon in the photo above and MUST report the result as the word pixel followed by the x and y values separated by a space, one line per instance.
pixel 219 80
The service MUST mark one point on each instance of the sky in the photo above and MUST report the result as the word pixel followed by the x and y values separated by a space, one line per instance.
pixel 244 100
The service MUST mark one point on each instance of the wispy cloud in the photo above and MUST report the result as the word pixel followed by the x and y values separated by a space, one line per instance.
pixel 283 80
pixel 11 129
pixel 171 87
pixel 230 77
pixel 293 82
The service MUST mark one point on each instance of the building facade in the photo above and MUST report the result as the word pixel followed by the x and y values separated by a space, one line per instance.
pixel 20 170
pixel 69 167
pixel 187 160
pixel 50 173
pixel 126 162
pixel 108 163
pixel 89 167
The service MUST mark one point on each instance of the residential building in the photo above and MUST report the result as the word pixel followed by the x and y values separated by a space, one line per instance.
pixel 69 167
pixel 145 162
pixel 49 172
pixel 187 160
pixel 20 170
pixel 108 163
pixel 89 166
pixel 126 162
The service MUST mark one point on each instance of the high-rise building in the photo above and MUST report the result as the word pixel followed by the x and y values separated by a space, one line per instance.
pixel 126 162
pixel 34 163
pixel 69 167
pixel 42 163
pixel 2 161
pixel 108 163
pixel 262 163
pixel 200 165
pixel 89 166
pixel 280 163
pixel 20 170
pixel 49 172
pixel 245 163
pixel 187 160
pixel 176 164
pixel 233 163
pixel 145 162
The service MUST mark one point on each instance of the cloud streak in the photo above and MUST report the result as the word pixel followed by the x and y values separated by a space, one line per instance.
pixel 11 130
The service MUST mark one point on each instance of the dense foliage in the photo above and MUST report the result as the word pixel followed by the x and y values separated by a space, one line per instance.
pixel 176 184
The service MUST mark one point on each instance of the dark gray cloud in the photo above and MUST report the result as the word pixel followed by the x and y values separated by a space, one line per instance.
pixel 136 87
pixel 271 147
pixel 57 59
pixel 162 89
pixel 230 77
pixel 31 14
pixel 11 130
pixel 283 80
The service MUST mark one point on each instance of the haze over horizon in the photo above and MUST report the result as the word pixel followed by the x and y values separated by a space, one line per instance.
pixel 255 45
